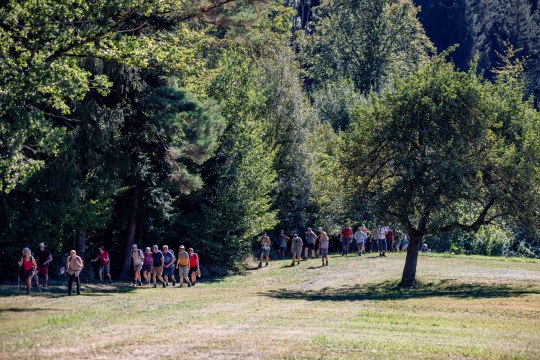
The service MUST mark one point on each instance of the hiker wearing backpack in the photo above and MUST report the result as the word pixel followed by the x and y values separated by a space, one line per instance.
pixel 27 267
pixel 381 242
pixel 296 248
pixel 283 239
pixel 137 258
pixel 194 269
pixel 183 266
pixel 104 264
pixel 44 258
pixel 147 265
pixel 157 265
pixel 346 237
pixel 323 246
pixel 168 265
pixel 265 248
pixel 309 247
pixel 74 266
pixel 360 236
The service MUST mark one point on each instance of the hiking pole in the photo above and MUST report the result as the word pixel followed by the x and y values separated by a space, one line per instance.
pixel 18 279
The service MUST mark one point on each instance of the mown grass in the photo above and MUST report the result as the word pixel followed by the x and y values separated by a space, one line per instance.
pixel 462 307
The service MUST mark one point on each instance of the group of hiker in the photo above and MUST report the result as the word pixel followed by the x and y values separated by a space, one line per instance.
pixel 383 238
pixel 153 263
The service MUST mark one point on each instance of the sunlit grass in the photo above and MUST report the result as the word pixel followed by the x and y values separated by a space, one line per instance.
pixel 462 307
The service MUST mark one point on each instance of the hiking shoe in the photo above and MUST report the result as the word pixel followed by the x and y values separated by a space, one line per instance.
pixel 189 284
pixel 260 265
pixel 154 285
pixel 110 281
pixel 266 264
pixel 174 283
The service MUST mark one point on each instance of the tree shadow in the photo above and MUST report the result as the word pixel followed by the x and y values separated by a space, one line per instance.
pixel 22 310
pixel 390 290
pixel 61 290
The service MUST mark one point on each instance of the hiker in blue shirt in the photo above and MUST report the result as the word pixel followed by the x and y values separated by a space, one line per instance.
pixel 168 265
pixel 309 246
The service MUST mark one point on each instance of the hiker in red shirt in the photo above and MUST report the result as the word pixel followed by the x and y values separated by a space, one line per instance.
pixel 28 266
pixel 193 266
pixel 104 264
pixel 390 240
pixel 346 237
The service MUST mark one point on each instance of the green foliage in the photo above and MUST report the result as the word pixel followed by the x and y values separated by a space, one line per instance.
pixel 241 177
pixel 448 151
pixel 367 41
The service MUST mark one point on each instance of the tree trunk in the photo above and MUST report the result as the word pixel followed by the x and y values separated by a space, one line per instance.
pixel 132 228
pixel 80 243
pixel 409 271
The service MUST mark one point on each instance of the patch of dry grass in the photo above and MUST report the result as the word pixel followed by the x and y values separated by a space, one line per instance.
pixel 463 307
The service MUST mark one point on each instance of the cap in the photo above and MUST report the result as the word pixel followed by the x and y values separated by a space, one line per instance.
pixel 182 247
pixel 134 246
pixel 147 248
pixel 41 244
pixel 308 229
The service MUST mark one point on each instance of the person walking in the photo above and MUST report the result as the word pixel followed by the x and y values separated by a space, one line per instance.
pixel 104 264
pixel 323 246
pixel 381 242
pixel 183 266
pixel 360 236
pixel 147 265
pixel 28 267
pixel 390 240
pixel 137 258
pixel 346 237
pixel 265 248
pixel 44 258
pixel 309 247
pixel 157 265
pixel 194 269
pixel 168 265
pixel 296 248
pixel 283 239
pixel 74 265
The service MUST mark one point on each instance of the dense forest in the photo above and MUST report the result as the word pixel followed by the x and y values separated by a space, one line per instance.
pixel 204 123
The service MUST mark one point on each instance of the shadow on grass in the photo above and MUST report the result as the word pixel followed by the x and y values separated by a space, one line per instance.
pixel 22 310
pixel 390 290
pixel 61 290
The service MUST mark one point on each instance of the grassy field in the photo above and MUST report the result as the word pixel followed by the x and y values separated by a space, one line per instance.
pixel 463 307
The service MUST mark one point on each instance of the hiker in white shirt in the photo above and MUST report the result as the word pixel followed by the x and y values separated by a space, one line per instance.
pixel 381 240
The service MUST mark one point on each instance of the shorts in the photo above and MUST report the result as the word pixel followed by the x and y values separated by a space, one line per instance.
pixel 147 267
pixel 265 251
pixel 309 246
pixel 192 269
pixel 43 270
pixel 157 270
pixel 105 268
pixel 297 251
pixel 29 273
pixel 183 271
pixel 283 248
pixel 169 272
pixel 137 267
pixel 324 252
pixel 381 245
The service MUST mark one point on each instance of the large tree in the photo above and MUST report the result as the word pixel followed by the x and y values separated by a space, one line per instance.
pixel 447 151
pixel 366 41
